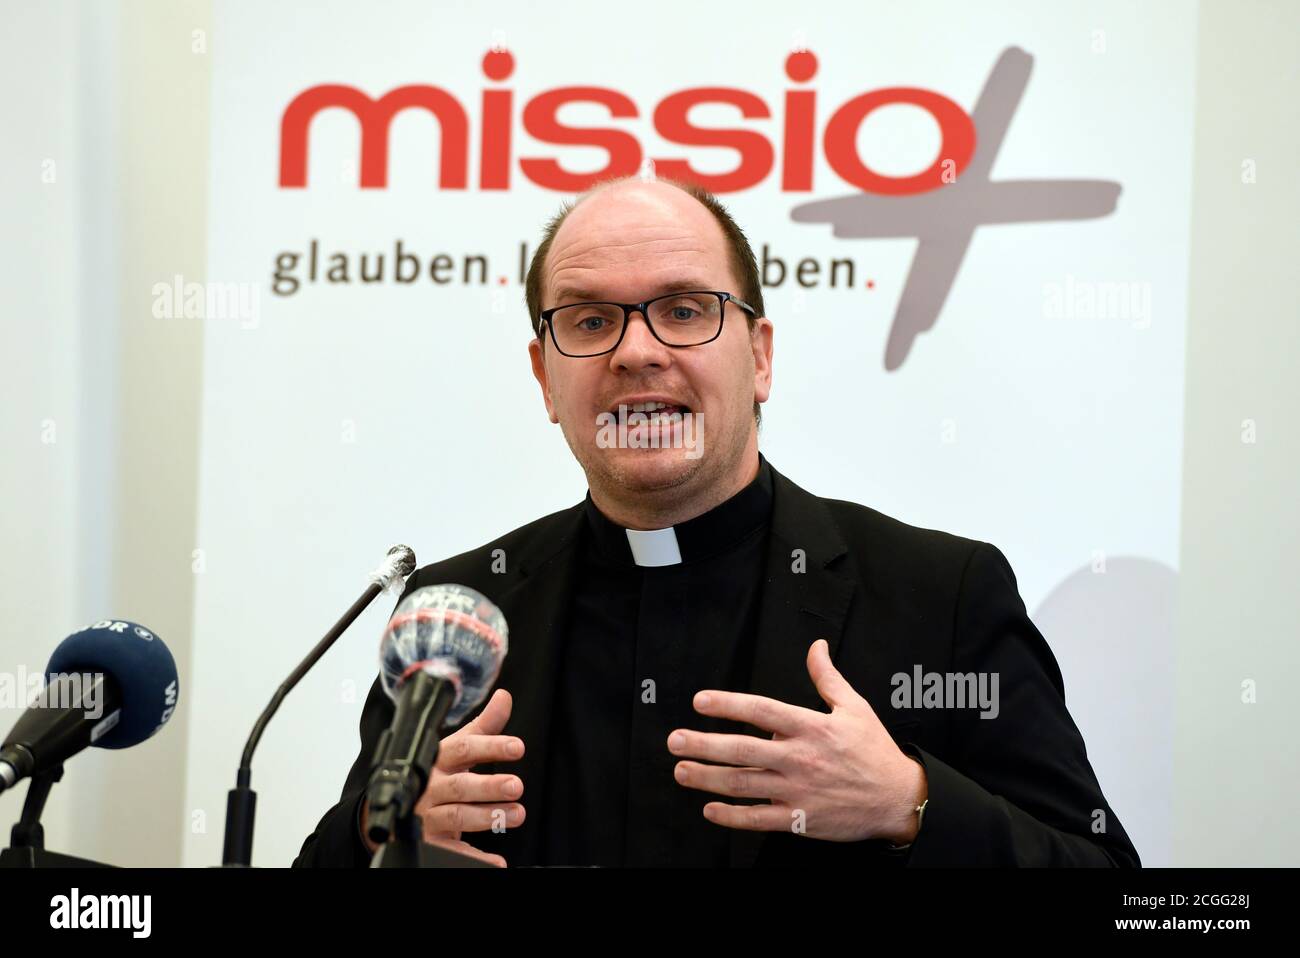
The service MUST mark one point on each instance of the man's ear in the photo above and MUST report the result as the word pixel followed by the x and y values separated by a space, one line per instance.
pixel 537 355
pixel 760 340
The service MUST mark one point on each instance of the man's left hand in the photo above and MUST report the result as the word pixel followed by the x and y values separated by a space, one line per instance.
pixel 838 777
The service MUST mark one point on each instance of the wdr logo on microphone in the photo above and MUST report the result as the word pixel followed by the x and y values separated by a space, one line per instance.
pixel 103 911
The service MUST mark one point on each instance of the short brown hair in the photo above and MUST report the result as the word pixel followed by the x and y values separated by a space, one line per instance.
pixel 743 262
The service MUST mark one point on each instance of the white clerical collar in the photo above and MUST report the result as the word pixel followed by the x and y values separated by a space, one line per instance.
pixel 654 547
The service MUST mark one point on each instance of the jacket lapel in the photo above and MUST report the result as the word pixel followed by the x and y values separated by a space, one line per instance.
pixel 806 594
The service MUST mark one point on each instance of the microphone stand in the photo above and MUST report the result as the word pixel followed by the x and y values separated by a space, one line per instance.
pixel 27 839
pixel 241 801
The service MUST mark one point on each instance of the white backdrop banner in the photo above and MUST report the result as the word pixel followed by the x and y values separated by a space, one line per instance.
pixel 973 231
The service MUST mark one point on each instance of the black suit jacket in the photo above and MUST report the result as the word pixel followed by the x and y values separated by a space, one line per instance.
pixel 1014 790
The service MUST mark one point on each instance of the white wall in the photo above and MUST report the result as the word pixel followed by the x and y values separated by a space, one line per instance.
pixel 100 522
pixel 1237 765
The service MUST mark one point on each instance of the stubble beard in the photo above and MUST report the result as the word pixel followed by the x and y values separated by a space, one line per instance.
pixel 616 474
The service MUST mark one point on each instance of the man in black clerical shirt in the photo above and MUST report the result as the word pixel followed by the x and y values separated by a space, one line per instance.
pixel 705 659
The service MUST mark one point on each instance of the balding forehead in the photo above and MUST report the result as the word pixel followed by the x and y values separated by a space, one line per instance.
pixel 629 227
pixel 631 237
pixel 627 243
pixel 619 239
pixel 635 186
pixel 568 292
pixel 653 201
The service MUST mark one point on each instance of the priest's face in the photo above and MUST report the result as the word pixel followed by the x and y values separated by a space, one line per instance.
pixel 628 243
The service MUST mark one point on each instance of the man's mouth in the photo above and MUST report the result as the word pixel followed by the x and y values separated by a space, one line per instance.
pixel 656 413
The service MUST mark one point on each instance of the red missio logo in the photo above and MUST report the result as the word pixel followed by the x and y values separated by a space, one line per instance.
pixel 880 206
pixel 757 156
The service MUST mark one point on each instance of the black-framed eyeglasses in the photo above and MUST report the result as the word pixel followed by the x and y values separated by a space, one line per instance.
pixel 679 320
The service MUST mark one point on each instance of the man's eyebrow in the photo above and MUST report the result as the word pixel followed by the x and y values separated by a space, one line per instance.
pixel 579 295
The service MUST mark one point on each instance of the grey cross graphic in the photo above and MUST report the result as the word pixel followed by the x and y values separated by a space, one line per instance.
pixel 945 219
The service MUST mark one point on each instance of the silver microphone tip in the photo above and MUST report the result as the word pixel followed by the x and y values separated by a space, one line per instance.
pixel 405 559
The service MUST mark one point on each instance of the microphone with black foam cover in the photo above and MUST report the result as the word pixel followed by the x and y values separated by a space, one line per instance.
pixel 111 685
pixel 440 656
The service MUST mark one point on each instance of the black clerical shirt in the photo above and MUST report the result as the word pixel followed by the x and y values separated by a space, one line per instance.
pixel 641 641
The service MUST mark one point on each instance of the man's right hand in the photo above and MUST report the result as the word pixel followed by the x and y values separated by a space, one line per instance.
pixel 458 800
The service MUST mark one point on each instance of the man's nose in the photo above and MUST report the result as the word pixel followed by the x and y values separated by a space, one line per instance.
pixel 639 348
